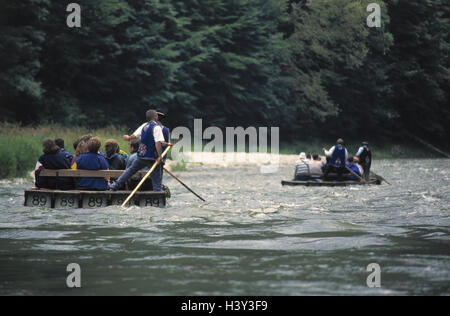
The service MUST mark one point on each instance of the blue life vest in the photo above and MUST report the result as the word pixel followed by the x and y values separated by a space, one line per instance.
pixel 147 148
pixel 353 167
pixel 338 157
pixel 91 161
pixel 166 134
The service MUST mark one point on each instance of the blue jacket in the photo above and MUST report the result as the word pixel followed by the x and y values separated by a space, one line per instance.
pixel 353 167
pixel 53 162
pixel 147 148
pixel 91 161
pixel 68 155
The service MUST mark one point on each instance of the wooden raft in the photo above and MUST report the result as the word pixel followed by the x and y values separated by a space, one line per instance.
pixel 312 183
pixel 91 199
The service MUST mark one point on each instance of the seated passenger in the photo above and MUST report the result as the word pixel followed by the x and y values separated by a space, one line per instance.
pixel 91 160
pixel 315 167
pixel 353 167
pixel 301 172
pixel 52 159
pixel 81 147
pixel 115 159
pixel 60 143
pixel 132 183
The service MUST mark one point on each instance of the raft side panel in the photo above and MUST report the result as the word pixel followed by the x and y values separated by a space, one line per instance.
pixel 327 183
pixel 91 199
pixel 69 173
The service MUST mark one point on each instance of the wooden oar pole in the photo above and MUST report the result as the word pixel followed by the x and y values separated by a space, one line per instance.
pixel 145 177
pixel 380 177
pixel 183 184
pixel 357 175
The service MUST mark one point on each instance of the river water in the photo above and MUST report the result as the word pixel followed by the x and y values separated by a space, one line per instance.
pixel 252 237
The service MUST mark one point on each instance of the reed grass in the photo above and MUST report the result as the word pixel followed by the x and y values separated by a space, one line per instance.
pixel 20 147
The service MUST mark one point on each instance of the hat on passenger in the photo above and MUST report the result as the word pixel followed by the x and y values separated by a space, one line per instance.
pixel 302 156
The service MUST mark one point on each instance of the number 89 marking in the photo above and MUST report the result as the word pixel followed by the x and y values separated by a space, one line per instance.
pixel 39 200
pixel 152 202
pixel 67 202
pixel 95 202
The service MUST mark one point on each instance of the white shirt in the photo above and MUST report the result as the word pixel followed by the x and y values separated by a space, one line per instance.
pixel 157 132
pixel 330 152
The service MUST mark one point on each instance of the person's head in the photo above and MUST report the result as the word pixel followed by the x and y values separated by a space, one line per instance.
pixel 340 141
pixel 365 143
pixel 302 156
pixel 111 147
pixel 75 144
pixel 161 115
pixel 350 159
pixel 151 115
pixel 315 156
pixel 83 145
pixel 49 147
pixel 308 156
pixel 85 138
pixel 134 145
pixel 59 142
pixel 94 145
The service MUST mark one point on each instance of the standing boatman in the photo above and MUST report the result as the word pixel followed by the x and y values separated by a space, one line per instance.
pixel 365 159
pixel 166 135
pixel 337 158
pixel 149 152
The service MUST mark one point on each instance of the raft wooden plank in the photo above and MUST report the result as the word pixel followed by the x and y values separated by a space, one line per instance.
pixel 36 198
pixel 151 199
pixel 69 173
pixel 327 183
pixel 118 197
pixel 91 199
pixel 66 199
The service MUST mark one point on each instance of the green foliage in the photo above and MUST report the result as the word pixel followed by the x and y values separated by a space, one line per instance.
pixel 420 71
pixel 336 59
pixel 309 67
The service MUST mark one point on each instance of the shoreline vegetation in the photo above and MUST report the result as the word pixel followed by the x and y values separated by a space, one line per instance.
pixel 21 146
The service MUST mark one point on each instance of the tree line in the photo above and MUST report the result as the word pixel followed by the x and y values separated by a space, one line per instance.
pixel 313 68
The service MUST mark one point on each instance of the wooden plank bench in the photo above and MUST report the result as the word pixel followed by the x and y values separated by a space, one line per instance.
pixel 69 173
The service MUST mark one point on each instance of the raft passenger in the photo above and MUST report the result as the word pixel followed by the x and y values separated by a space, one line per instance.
pixel 315 167
pixel 353 167
pixel 301 172
pixel 60 143
pixel 52 159
pixel 91 160
pixel 82 147
pixel 115 160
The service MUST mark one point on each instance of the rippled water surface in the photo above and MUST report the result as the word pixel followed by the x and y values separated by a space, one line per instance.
pixel 252 237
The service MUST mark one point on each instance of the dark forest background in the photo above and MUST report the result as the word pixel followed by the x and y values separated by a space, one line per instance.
pixel 313 68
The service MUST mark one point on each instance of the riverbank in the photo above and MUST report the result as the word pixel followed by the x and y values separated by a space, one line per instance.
pixel 21 147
